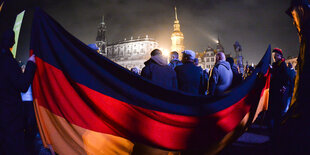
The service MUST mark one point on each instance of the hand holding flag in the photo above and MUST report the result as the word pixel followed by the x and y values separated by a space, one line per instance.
pixel 32 58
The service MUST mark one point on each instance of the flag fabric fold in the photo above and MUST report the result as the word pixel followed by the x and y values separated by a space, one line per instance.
pixel 1 5
pixel 87 104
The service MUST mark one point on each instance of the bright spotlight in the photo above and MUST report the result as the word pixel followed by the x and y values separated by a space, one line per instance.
pixel 166 52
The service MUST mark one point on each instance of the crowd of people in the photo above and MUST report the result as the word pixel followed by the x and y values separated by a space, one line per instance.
pixel 17 118
pixel 187 76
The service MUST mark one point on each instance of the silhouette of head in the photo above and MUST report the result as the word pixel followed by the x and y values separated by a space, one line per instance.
pixel 230 60
pixel 8 39
pixel 196 61
pixel 289 65
pixel 220 56
pixel 174 55
pixel 156 52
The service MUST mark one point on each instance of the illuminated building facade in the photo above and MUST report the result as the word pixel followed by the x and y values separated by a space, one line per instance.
pixel 292 60
pixel 239 57
pixel 177 36
pixel 127 53
pixel 207 58
pixel 132 53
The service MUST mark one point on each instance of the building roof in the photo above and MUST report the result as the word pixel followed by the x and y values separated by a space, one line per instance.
pixel 133 40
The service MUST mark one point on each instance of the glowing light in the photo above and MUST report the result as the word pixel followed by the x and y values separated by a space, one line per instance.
pixel 166 52
pixel 214 39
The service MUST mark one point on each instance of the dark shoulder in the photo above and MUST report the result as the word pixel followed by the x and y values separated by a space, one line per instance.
pixel 283 64
pixel 178 67
pixel 216 66
pixel 7 59
pixel 168 68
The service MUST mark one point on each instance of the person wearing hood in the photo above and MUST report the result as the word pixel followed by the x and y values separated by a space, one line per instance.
pixel 157 70
pixel 189 75
pixel 174 60
pixel 221 76
pixel 12 82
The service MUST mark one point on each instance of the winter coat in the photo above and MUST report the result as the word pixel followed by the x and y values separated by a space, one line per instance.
pixel 292 75
pixel 220 79
pixel 174 63
pixel 12 83
pixel 190 78
pixel 237 77
pixel 157 70
pixel 279 78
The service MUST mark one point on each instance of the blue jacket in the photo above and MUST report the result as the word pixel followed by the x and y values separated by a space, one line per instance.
pixel 174 63
pixel 160 73
pixel 220 79
pixel 189 78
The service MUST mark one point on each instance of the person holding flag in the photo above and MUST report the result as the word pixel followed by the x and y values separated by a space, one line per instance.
pixel 278 93
pixel 12 83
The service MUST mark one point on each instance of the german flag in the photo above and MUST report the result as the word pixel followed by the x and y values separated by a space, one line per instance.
pixel 294 132
pixel 87 104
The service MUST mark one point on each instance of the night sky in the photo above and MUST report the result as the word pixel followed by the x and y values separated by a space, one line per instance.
pixel 254 23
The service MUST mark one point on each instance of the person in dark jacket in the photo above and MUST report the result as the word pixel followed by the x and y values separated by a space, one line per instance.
pixel 31 128
pixel 278 93
pixel 156 69
pixel 189 75
pixel 12 83
pixel 292 75
pixel 221 76
pixel 174 60
pixel 204 77
pixel 237 77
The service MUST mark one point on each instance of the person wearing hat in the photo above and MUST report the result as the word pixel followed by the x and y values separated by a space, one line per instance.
pixel 278 93
pixel 94 47
pixel 135 70
pixel 157 70
pixel 189 75
pixel 221 76
pixel 12 82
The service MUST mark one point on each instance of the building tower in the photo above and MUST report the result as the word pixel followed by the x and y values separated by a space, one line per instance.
pixel 177 36
pixel 219 46
pixel 101 38
pixel 239 57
